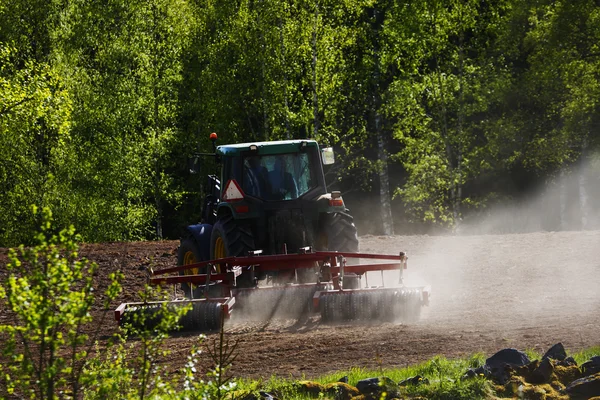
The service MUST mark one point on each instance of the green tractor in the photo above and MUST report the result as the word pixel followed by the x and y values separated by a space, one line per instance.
pixel 274 243
pixel 269 197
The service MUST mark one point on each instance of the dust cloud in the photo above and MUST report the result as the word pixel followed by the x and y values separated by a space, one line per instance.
pixel 529 263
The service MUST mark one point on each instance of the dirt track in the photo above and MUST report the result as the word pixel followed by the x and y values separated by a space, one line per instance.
pixel 488 292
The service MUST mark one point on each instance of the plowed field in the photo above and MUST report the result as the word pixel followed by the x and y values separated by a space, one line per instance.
pixel 488 292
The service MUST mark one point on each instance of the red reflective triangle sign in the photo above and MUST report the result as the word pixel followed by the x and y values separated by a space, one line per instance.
pixel 233 191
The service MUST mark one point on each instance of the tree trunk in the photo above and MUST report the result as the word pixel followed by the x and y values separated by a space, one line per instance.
pixel 157 125
pixel 562 199
pixel 314 75
pixel 288 134
pixel 582 182
pixel 384 182
pixel 385 200
pixel 456 211
pixel 263 73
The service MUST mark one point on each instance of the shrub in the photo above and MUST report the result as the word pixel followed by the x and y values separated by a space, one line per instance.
pixel 48 295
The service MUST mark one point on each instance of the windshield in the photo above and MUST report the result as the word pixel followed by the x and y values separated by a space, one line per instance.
pixel 277 177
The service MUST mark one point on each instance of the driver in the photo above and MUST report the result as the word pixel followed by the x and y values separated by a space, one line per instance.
pixel 283 184
pixel 256 182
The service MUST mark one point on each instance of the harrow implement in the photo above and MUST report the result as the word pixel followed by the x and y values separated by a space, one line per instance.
pixel 286 298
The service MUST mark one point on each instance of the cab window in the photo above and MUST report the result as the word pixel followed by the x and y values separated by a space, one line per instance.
pixel 277 177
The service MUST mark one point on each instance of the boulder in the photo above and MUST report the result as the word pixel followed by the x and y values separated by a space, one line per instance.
pixel 309 387
pixel 500 365
pixel 591 367
pixel 567 374
pixel 368 386
pixel 567 362
pixel 341 391
pixel 374 387
pixel 512 357
pixel 543 372
pixel 518 387
pixel 343 379
pixel 414 381
pixel 475 372
pixel 584 388
pixel 248 395
pixel 556 352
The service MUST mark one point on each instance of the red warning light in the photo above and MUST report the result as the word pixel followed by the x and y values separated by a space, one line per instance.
pixel 213 136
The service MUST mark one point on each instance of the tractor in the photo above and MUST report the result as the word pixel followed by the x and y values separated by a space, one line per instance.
pixel 274 242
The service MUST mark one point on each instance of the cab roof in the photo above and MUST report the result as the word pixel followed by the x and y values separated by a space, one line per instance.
pixel 266 148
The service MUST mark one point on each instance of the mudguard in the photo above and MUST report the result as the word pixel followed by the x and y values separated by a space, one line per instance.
pixel 201 234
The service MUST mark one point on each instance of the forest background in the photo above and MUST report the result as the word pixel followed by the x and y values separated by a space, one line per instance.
pixel 438 110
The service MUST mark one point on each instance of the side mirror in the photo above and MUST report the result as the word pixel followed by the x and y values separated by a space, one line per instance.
pixel 193 164
pixel 327 156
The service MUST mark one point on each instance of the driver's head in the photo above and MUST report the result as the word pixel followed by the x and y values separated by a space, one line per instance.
pixel 254 162
pixel 279 164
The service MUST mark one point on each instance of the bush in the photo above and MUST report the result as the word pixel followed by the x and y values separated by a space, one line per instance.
pixel 48 295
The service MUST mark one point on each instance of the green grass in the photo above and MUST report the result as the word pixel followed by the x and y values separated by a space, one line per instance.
pixel 443 376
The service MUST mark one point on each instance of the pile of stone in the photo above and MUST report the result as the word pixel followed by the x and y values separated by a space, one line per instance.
pixel 555 376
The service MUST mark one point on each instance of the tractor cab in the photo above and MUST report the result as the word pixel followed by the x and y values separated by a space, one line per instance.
pixel 271 171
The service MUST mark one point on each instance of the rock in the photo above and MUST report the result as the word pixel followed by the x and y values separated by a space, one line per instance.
pixel 526 370
pixel 343 379
pixel 512 357
pixel 591 367
pixel 518 387
pixel 341 391
pixel 368 386
pixel 376 386
pixel 309 387
pixel 556 352
pixel 248 395
pixel 584 388
pixel 543 372
pixel 475 372
pixel 501 364
pixel 414 381
pixel 567 374
pixel 567 362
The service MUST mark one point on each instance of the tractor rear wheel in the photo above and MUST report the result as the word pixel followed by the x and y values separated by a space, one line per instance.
pixel 339 234
pixel 232 239
pixel 189 253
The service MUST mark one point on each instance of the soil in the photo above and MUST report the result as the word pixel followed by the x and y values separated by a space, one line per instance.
pixel 488 292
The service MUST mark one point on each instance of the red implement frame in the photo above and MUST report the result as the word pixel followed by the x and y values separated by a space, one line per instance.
pixel 333 263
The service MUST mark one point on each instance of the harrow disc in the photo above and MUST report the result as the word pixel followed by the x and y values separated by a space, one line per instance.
pixel 399 304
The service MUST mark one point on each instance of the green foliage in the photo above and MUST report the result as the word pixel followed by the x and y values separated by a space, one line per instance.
pixel 47 350
pixel 586 354
pixel 102 103
pixel 442 374
pixel 48 296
